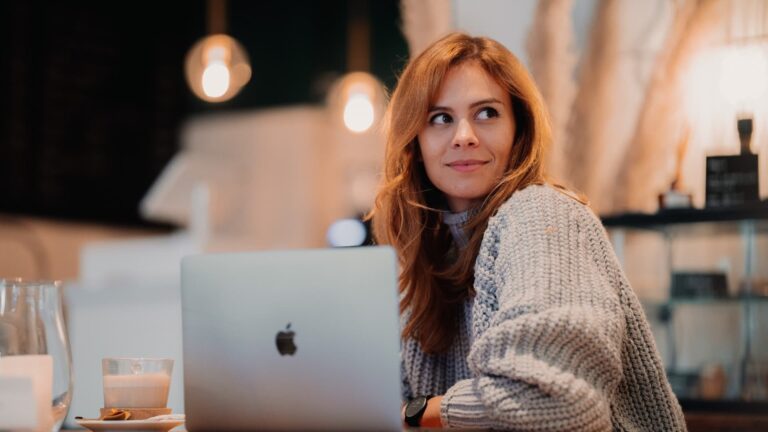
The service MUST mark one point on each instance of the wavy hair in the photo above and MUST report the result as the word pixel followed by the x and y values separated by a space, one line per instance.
pixel 406 212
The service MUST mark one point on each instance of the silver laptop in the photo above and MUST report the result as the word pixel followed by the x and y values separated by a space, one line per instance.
pixel 291 340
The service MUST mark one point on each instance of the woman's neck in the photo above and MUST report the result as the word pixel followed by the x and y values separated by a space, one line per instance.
pixel 457 222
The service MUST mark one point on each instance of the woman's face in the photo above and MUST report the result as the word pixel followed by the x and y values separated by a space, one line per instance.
pixel 467 140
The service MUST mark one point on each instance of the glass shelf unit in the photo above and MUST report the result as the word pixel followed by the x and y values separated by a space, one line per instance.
pixel 742 382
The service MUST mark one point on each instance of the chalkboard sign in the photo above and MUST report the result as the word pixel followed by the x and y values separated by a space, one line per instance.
pixel 732 180
pixel 699 285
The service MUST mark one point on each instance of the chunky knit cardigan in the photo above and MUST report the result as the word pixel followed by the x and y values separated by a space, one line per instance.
pixel 554 339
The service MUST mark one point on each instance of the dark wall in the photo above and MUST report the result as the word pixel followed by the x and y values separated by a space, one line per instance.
pixel 94 93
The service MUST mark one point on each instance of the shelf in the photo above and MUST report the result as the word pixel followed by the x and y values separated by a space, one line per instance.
pixel 724 405
pixel 662 311
pixel 728 220
pixel 712 300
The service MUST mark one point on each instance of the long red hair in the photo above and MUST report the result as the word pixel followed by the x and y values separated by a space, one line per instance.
pixel 406 212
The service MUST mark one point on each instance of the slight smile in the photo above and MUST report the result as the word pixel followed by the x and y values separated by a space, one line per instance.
pixel 466 165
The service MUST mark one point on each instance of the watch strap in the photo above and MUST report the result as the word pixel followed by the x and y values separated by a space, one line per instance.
pixel 419 404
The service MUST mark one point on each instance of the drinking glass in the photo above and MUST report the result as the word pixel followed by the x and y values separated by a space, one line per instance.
pixel 32 324
pixel 136 382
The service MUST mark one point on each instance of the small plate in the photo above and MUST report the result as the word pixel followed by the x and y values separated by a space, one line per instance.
pixel 130 425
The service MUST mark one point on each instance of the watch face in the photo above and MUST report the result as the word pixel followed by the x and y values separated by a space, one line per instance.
pixel 415 405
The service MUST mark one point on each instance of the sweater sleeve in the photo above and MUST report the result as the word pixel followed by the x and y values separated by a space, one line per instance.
pixel 551 357
pixel 406 392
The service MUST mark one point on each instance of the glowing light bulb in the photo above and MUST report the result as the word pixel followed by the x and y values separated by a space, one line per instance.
pixel 358 113
pixel 217 68
pixel 215 79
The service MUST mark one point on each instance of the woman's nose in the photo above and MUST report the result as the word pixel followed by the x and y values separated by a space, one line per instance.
pixel 465 135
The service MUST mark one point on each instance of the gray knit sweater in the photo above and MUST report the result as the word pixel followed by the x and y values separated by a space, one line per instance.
pixel 555 338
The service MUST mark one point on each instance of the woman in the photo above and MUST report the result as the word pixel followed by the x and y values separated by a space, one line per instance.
pixel 516 314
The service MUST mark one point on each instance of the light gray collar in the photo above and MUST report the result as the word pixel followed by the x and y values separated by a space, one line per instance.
pixel 457 223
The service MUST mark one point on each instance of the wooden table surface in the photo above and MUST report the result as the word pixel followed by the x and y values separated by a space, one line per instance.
pixel 697 422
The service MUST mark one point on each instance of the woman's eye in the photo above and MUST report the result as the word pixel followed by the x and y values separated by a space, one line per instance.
pixel 487 113
pixel 441 118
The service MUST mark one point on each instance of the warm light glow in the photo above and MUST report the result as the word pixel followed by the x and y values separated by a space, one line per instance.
pixel 703 101
pixel 726 83
pixel 721 85
pixel 358 113
pixel 216 79
pixel 217 68
pixel 743 76
pixel 356 101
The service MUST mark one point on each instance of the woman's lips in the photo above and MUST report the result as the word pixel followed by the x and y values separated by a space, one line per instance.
pixel 466 165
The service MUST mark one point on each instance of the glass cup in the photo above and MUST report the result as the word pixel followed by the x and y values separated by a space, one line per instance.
pixel 32 334
pixel 136 382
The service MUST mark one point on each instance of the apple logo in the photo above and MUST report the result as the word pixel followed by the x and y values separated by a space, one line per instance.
pixel 284 341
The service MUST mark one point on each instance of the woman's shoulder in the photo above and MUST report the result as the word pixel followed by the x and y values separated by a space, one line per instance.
pixel 544 203
pixel 536 213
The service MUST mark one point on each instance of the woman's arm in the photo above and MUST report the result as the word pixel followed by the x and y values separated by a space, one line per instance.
pixel 551 356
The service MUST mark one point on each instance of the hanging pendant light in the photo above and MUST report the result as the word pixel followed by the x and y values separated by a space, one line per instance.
pixel 358 96
pixel 217 66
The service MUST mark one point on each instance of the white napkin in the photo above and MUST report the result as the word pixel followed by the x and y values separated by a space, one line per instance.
pixel 38 369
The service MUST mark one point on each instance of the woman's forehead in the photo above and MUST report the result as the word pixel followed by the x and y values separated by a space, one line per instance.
pixel 467 82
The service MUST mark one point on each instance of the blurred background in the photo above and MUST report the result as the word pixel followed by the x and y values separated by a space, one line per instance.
pixel 134 134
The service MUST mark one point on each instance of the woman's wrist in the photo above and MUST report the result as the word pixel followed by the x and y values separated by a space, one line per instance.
pixel 431 416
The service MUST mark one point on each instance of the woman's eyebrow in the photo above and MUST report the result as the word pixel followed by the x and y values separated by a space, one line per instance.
pixel 472 105
pixel 438 108
pixel 485 101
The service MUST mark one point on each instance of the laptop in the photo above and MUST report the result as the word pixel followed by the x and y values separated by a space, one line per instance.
pixel 291 340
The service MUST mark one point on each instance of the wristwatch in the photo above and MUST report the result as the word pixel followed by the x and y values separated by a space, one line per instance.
pixel 414 410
